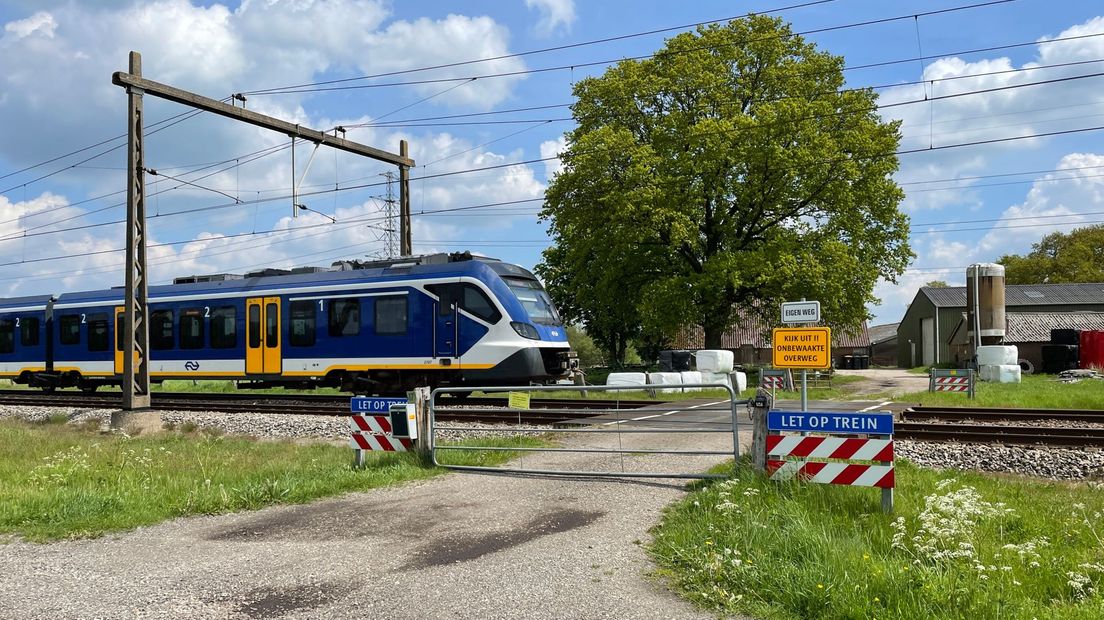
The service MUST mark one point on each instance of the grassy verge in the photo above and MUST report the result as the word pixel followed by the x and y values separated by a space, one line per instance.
pixel 59 481
pixel 1036 391
pixel 960 546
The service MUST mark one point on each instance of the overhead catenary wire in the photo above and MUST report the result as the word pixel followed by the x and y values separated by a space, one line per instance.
pixel 440 66
pixel 534 121
pixel 545 159
pixel 321 86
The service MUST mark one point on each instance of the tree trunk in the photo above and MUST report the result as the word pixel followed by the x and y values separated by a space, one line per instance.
pixel 714 334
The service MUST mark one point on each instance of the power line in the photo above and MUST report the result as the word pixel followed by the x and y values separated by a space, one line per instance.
pixel 556 48
pixel 424 177
pixel 406 122
pixel 309 87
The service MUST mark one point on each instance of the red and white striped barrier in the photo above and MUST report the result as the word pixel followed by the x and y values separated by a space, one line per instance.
pixel 952 384
pixel 782 446
pixel 381 443
pixel 373 432
pixel 852 474
pixel 774 383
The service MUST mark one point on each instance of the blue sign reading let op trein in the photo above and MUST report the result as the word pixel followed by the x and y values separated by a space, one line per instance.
pixel 374 404
pixel 834 422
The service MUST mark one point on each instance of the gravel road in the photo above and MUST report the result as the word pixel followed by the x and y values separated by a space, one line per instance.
pixel 458 546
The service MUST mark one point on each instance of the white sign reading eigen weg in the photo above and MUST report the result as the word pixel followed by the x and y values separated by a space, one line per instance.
pixel 801 312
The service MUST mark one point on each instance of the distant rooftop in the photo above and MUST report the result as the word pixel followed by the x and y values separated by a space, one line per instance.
pixel 756 332
pixel 1023 295
pixel 1035 326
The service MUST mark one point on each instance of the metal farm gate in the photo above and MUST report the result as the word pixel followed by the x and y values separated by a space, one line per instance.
pixel 603 434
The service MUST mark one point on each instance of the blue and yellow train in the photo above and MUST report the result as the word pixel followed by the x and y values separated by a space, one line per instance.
pixel 382 327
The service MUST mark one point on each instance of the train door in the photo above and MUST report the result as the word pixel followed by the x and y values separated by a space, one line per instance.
pixel 262 336
pixel 120 338
pixel 446 332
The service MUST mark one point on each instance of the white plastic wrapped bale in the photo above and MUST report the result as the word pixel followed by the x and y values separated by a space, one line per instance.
pixel 715 361
pixel 691 377
pixel 997 355
pixel 1008 373
pixel 716 378
pixel 627 378
pixel 665 378
pixel 738 381
pixel 988 372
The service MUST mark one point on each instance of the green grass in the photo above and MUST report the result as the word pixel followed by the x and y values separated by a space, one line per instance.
pixel 796 550
pixel 1036 391
pixel 60 481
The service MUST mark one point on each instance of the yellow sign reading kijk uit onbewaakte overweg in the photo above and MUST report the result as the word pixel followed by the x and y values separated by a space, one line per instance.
pixel 802 347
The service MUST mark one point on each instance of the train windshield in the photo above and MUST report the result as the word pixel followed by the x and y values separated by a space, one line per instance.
pixel 536 302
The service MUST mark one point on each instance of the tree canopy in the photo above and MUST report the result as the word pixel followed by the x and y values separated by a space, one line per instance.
pixel 729 169
pixel 1059 258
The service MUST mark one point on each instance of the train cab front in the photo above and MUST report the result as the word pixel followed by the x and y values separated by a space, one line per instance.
pixel 541 352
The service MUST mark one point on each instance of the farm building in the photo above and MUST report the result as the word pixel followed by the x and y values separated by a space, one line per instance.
pixel 924 335
pixel 1029 331
pixel 750 341
pixel 883 344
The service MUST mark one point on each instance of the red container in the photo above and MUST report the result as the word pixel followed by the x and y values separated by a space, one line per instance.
pixel 1092 349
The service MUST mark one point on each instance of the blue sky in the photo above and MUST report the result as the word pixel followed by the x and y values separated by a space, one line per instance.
pixel 967 204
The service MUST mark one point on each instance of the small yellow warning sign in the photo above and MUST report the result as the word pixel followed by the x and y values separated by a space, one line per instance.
pixel 802 347
pixel 519 400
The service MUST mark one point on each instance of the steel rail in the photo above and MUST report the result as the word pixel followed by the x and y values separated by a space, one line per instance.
pixel 1000 434
pixel 996 413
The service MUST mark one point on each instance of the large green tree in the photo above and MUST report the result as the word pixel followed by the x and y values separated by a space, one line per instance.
pixel 1059 258
pixel 730 169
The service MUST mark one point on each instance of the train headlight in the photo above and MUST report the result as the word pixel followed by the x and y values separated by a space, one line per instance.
pixel 525 330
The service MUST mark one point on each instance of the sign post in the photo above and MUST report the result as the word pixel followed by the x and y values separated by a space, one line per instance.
pixel 802 348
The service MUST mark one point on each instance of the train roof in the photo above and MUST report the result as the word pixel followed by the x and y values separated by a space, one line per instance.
pixel 394 271
pixel 30 301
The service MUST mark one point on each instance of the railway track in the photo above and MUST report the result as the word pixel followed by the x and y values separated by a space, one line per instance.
pixel 1005 434
pixel 486 410
pixel 982 414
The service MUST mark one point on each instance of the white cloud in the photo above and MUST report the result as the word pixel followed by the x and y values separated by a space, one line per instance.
pixel 216 52
pixel 42 22
pixel 1026 223
pixel 942 252
pixel 555 15
pixel 553 148
pixel 1009 110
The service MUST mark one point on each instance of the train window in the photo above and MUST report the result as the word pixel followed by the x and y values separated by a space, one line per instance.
pixel 7 335
pixel 161 330
pixel 224 334
pixel 254 327
pixel 98 339
pixel 191 328
pixel 391 315
pixel 272 326
pixel 302 323
pixel 120 331
pixel 28 331
pixel 69 328
pixel 345 317
pixel 476 302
